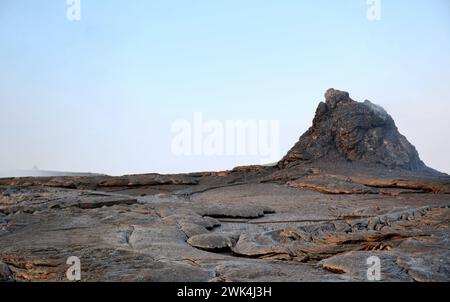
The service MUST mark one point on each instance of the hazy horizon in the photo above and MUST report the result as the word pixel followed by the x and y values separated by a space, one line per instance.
pixel 101 94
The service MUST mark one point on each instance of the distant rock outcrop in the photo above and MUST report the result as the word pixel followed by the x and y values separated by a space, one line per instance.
pixel 344 129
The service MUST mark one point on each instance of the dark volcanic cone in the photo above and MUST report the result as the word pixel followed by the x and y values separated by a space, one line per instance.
pixel 346 130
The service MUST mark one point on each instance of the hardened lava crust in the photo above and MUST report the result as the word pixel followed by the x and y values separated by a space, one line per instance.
pixel 351 188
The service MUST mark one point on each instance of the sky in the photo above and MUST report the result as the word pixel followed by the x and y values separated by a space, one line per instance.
pixel 102 94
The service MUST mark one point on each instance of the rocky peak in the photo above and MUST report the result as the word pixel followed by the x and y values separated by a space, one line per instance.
pixel 347 130
pixel 335 97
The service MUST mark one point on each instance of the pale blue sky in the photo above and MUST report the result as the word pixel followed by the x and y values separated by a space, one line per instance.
pixel 101 94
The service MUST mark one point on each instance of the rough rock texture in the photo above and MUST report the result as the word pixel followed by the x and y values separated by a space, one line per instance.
pixel 344 129
pixel 352 188
pixel 212 242
pixel 307 236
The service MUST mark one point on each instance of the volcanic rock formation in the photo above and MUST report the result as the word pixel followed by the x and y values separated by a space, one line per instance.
pixel 352 188
pixel 344 129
